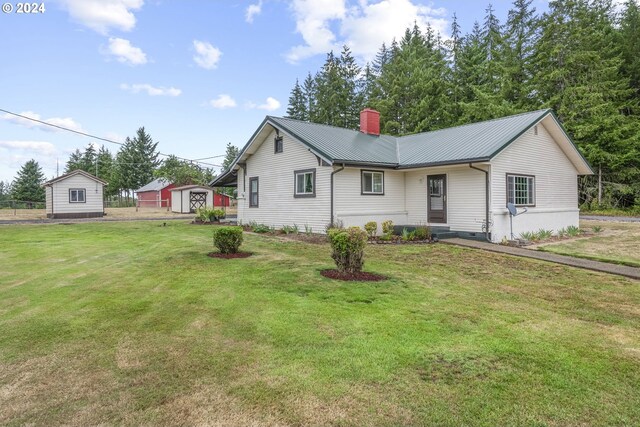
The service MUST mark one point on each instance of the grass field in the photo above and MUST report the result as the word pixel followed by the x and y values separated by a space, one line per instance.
pixel 617 242
pixel 131 323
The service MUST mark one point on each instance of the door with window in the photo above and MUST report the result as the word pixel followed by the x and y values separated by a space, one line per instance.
pixel 437 199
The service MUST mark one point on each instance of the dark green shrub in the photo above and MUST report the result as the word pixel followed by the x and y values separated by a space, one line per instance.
pixel 260 228
pixel 227 239
pixel 371 228
pixel 348 248
pixel 423 232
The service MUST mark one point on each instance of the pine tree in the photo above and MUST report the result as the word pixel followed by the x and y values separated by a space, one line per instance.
pixel 105 171
pixel 136 162
pixel 27 186
pixel 630 49
pixel 297 108
pixel 74 162
pixel 309 91
pixel 5 191
pixel 230 155
pixel 88 161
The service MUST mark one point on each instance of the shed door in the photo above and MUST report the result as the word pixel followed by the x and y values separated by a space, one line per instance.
pixel 197 200
pixel 437 198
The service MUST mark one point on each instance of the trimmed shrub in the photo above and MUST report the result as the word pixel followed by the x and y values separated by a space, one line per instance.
pixel 387 227
pixel 227 239
pixel 371 228
pixel 348 248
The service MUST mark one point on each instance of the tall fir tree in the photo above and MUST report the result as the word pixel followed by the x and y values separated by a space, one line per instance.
pixel 297 108
pixel 27 186
pixel 630 48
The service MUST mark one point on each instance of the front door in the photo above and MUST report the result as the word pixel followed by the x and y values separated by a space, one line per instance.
pixel 437 199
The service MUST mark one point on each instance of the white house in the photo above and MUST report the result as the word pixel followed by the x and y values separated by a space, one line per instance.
pixel 188 198
pixel 460 179
pixel 77 194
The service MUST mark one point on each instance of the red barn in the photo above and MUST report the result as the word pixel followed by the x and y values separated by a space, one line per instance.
pixel 157 193
pixel 221 200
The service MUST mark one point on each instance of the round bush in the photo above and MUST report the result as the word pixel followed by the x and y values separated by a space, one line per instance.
pixel 227 239
pixel 348 248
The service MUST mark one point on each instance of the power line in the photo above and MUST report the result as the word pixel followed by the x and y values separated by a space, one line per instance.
pixel 88 135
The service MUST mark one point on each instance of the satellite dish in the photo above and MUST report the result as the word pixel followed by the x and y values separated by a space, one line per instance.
pixel 512 209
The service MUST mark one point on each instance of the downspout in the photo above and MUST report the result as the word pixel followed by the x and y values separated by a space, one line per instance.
pixel 333 173
pixel 486 192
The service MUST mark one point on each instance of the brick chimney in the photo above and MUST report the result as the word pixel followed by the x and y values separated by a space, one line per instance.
pixel 370 122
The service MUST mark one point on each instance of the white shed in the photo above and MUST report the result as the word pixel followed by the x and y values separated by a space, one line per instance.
pixel 77 194
pixel 188 198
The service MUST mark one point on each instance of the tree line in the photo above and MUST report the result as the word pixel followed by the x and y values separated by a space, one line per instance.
pixel 134 165
pixel 581 58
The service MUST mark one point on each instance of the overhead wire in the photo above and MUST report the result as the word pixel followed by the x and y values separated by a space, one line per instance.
pixel 88 135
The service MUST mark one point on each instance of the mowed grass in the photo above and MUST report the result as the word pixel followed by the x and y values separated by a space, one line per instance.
pixel 131 323
pixel 616 242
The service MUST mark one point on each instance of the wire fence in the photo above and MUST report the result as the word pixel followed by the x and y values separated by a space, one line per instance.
pixel 16 205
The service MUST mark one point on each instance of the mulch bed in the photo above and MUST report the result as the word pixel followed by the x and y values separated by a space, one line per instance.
pixel 362 276
pixel 229 256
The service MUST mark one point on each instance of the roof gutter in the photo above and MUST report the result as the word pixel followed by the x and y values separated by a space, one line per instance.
pixel 333 173
pixel 486 202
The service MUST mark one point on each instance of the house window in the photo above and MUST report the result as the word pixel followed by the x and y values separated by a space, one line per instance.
pixel 372 182
pixel 76 195
pixel 253 192
pixel 305 183
pixel 277 144
pixel 521 190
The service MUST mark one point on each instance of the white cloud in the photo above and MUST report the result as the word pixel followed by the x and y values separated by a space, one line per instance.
pixel 125 52
pixel 253 10
pixel 222 102
pixel 270 104
pixel 151 90
pixel 66 122
pixel 102 15
pixel 207 56
pixel 41 147
pixel 363 26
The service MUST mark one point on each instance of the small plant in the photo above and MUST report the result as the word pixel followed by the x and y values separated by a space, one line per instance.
pixel 596 228
pixel 290 229
pixel 209 215
pixel 573 231
pixel 339 224
pixel 423 232
pixel 260 228
pixel 562 232
pixel 528 235
pixel 347 247
pixel 371 228
pixel 308 230
pixel 227 239
pixel 387 227
pixel 407 235
pixel 543 234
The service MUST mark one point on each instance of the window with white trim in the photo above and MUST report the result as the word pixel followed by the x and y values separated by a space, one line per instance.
pixel 372 182
pixel 305 183
pixel 253 192
pixel 77 195
pixel 521 190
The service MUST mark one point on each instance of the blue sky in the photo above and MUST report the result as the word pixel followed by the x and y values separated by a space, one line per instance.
pixel 196 74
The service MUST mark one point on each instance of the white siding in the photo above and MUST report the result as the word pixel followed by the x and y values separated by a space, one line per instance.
pixel 356 209
pixel 277 205
pixel 556 185
pixel 465 197
pixel 93 195
pixel 48 200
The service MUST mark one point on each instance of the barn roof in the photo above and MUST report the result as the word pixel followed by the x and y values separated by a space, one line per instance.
pixel 155 185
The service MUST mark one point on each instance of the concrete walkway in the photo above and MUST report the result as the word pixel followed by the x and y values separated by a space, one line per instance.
pixel 604 267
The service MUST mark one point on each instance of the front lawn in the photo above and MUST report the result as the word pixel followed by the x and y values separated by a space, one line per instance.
pixel 132 323
pixel 615 242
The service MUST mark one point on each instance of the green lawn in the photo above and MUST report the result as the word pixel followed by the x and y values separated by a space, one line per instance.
pixel 131 323
pixel 616 242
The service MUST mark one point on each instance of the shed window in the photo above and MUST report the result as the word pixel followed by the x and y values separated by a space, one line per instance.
pixel 76 195
pixel 372 182
pixel 277 144
pixel 253 192
pixel 521 190
pixel 305 183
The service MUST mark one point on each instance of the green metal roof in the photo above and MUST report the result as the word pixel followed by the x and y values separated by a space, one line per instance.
pixel 474 142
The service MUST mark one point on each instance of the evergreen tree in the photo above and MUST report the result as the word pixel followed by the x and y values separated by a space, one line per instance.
pixel 88 161
pixel 309 94
pixel 27 186
pixel 5 191
pixel 230 155
pixel 630 47
pixel 105 162
pixel 74 162
pixel 136 161
pixel 297 108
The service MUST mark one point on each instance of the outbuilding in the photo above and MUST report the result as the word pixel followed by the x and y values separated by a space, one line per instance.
pixel 156 194
pixel 188 198
pixel 77 194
